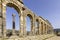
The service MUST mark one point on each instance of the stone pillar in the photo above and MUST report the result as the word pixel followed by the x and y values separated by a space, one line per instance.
pixel 21 23
pixel 33 26
pixel 49 29
pixel 31 32
pixel 13 16
pixel 39 27
pixel 4 19
pixel 46 28
pixel 25 32
pixel 0 26
pixel 0 18
pixel 43 28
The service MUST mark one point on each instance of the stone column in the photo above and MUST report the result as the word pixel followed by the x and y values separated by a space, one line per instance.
pixel 13 16
pixel 46 28
pixel 0 26
pixel 4 19
pixel 0 18
pixel 21 23
pixel 33 26
pixel 25 32
pixel 43 28
pixel 39 27
pixel 31 32
pixel 35 29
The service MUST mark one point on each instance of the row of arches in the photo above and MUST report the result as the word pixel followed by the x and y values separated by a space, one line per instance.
pixel 36 26
pixel 11 10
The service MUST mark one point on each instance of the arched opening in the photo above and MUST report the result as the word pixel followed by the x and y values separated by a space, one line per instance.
pixel 41 27
pixel 37 26
pixel 29 24
pixel 12 9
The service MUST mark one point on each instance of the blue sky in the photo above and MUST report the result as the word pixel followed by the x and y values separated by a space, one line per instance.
pixel 48 9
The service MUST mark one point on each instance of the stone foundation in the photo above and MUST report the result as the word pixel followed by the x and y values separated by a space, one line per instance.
pixel 36 37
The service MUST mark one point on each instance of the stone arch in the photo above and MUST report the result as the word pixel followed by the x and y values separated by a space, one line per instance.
pixel 31 20
pixel 14 6
pixel 30 16
pixel 11 4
